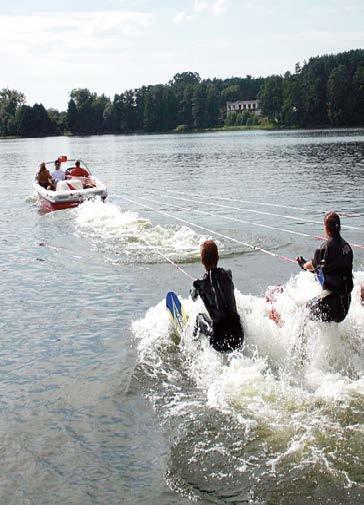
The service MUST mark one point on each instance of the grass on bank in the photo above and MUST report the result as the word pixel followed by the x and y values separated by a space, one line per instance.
pixel 255 124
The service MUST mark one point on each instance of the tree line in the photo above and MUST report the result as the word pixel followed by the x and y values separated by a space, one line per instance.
pixel 325 91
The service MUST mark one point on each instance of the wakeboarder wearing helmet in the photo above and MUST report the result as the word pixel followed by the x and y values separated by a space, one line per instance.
pixel 216 289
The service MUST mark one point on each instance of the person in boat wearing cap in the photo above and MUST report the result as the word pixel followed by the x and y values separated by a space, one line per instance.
pixel 333 265
pixel 216 289
pixel 43 177
pixel 58 174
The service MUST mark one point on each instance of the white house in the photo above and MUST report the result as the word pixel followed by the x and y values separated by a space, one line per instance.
pixel 244 105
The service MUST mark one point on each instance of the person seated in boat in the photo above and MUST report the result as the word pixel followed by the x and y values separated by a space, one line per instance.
pixel 58 174
pixel 78 171
pixel 83 173
pixel 43 177
pixel 333 265
pixel 216 289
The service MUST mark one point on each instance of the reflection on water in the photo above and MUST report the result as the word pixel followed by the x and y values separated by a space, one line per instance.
pixel 76 427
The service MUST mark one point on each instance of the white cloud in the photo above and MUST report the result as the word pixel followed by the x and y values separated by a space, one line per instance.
pixel 181 17
pixel 200 6
pixel 47 54
pixel 219 7
pixel 31 35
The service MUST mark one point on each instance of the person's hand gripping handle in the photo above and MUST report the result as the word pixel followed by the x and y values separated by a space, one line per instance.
pixel 301 261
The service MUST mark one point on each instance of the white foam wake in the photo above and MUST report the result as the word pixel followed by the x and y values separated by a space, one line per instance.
pixel 32 198
pixel 330 347
pixel 127 234
pixel 295 381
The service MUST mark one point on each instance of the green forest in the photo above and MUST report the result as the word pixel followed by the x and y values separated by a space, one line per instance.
pixel 326 91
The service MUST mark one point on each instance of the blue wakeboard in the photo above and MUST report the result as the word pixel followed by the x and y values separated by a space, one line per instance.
pixel 175 309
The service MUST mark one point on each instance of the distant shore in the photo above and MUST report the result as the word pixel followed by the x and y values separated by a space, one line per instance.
pixel 265 127
pixel 239 128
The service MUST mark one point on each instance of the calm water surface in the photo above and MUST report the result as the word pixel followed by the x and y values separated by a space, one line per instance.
pixel 99 404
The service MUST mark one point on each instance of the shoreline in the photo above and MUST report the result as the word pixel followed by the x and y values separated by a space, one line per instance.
pixel 268 127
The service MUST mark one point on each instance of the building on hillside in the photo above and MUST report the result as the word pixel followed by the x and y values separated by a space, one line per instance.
pixel 244 106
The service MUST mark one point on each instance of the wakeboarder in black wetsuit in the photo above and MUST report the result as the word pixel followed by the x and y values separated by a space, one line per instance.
pixel 333 265
pixel 216 290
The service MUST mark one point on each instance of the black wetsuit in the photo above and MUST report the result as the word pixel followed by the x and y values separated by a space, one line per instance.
pixel 336 258
pixel 216 290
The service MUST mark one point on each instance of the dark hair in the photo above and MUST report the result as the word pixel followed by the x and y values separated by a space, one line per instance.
pixel 78 162
pixel 332 223
pixel 209 254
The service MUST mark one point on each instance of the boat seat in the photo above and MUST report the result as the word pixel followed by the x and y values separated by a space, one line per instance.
pixel 69 185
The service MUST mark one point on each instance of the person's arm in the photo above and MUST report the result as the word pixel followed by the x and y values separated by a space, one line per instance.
pixel 312 264
pixel 317 259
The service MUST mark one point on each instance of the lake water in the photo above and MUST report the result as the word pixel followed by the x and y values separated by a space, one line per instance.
pixel 99 402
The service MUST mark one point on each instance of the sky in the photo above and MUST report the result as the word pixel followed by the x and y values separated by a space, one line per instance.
pixel 48 48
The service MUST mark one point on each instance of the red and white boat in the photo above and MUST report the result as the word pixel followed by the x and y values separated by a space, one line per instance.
pixel 79 185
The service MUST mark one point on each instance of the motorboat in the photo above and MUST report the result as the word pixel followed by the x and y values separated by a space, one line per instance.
pixel 79 185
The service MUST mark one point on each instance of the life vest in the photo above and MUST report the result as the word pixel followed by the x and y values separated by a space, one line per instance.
pixel 79 172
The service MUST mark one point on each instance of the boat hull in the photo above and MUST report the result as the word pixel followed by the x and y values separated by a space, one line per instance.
pixel 48 206
pixel 59 200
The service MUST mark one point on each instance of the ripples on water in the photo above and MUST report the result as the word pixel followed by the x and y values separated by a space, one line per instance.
pixel 258 427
